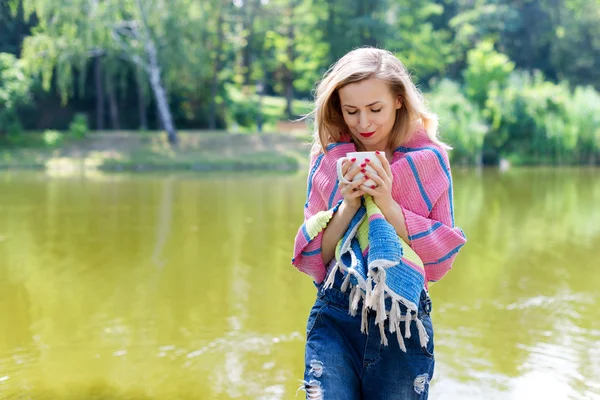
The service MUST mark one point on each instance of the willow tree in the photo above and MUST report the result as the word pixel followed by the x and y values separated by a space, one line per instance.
pixel 14 91
pixel 149 34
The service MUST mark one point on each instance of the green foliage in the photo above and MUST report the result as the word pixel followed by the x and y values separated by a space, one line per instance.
pixel 426 51
pixel 461 123
pixel 211 51
pixel 574 40
pixel 78 128
pixel 52 138
pixel 486 68
pixel 583 115
pixel 537 121
pixel 245 114
pixel 14 92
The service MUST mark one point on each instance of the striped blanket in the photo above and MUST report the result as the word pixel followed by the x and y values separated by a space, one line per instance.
pixel 376 263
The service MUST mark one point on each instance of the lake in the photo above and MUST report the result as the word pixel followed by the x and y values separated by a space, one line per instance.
pixel 179 286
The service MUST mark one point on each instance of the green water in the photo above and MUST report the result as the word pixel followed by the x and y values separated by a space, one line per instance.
pixel 180 286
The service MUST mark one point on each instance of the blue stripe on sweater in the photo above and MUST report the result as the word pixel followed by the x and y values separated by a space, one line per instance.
pixel 333 192
pixel 427 232
pixel 310 177
pixel 315 167
pixel 447 256
pixel 418 179
pixel 440 158
pixel 305 233
pixel 332 146
pixel 311 253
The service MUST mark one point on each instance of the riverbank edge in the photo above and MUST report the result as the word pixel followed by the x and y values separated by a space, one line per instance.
pixel 139 152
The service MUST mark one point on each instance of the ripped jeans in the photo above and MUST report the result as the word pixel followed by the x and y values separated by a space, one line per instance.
pixel 343 363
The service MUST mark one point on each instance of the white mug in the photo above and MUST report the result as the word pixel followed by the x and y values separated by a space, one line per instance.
pixel 360 157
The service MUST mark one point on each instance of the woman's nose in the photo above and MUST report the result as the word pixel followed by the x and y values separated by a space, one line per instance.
pixel 364 121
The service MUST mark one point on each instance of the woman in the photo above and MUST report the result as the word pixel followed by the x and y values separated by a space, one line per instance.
pixel 374 249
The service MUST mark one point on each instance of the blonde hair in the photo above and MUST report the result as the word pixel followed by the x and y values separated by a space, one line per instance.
pixel 358 65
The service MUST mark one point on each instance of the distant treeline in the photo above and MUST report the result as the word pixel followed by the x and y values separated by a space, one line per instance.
pixel 516 80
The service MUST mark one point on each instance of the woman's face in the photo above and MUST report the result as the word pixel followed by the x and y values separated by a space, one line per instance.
pixel 369 110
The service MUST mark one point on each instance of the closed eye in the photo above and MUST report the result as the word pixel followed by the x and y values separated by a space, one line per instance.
pixel 354 112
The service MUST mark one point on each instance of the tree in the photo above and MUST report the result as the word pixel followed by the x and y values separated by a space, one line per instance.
pixel 150 34
pixel 14 91
pixel 411 35
pixel 575 40
pixel 486 67
pixel 294 49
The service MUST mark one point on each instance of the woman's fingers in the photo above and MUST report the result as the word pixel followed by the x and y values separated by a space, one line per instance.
pixel 359 182
pixel 352 173
pixel 384 163
pixel 357 194
pixel 346 166
pixel 352 187
pixel 377 179
pixel 379 170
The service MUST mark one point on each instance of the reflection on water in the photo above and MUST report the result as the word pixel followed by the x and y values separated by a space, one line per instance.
pixel 180 286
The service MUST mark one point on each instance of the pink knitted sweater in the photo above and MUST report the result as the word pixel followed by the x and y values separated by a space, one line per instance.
pixel 422 187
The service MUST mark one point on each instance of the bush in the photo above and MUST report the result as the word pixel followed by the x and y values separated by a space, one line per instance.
pixel 78 128
pixel 52 138
pixel 461 123
pixel 244 113
pixel 536 121
pixel 583 114
pixel 486 68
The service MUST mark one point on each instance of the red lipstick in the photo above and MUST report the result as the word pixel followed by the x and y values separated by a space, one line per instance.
pixel 367 134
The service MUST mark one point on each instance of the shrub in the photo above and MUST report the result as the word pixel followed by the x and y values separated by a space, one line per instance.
pixel 461 123
pixel 78 128
pixel 52 138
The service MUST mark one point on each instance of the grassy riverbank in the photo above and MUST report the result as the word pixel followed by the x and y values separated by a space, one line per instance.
pixel 149 151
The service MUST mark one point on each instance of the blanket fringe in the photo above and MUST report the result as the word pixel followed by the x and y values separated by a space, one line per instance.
pixel 407 324
pixel 394 321
pixel 400 339
pixel 423 336
pixel 374 299
pixel 346 283
pixel 395 316
pixel 384 340
pixel 331 278
pixel 376 302
pixel 355 299
pixel 374 292
pixel 364 322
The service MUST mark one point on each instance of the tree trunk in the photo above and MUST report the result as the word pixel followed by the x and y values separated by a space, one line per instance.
pixel 160 94
pixel 99 93
pixel 331 31
pixel 212 116
pixel 247 52
pixel 366 33
pixel 289 73
pixel 289 96
pixel 112 104
pixel 479 158
pixel 143 117
pixel 156 83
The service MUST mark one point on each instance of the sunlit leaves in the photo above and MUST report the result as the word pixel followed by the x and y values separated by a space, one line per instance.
pixel 14 89
pixel 485 67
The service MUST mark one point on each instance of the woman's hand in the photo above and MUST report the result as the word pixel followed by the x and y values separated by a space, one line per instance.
pixel 382 196
pixel 382 190
pixel 351 192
